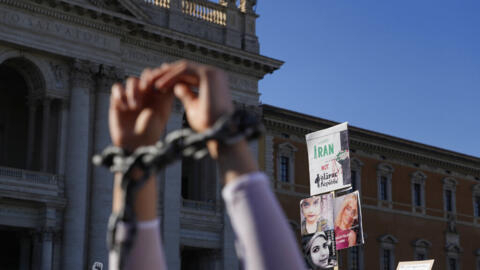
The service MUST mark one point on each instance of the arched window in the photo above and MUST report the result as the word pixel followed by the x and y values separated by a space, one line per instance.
pixel 421 248
pixel 286 162
pixel 476 202
pixel 449 198
pixel 418 192
pixel 356 166
pixel 29 119
pixel 199 178
pixel 387 251
pixel 384 184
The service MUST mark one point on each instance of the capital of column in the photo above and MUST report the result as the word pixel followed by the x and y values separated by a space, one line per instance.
pixel 107 76
pixel 82 73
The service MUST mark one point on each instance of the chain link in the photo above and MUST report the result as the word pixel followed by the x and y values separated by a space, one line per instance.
pixel 227 130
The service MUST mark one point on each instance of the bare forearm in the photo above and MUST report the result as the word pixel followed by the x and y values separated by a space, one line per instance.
pixel 145 202
pixel 235 160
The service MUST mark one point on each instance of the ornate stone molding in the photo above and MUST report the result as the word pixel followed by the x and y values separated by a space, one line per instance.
pixel 293 122
pixel 107 76
pixel 82 74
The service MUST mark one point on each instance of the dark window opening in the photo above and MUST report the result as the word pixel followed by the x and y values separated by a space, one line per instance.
pixel 417 188
pixel 284 169
pixel 383 188
pixel 448 200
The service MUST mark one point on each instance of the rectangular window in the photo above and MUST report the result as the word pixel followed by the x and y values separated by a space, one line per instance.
pixel 354 180
pixel 477 206
pixel 448 200
pixel 284 169
pixel 421 256
pixel 386 259
pixel 452 264
pixel 383 188
pixel 355 265
pixel 417 194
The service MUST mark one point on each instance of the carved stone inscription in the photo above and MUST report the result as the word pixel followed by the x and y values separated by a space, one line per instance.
pixel 58 29
pixel 243 84
pixel 144 57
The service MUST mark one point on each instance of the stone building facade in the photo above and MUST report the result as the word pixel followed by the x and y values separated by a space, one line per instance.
pixel 58 59
pixel 418 201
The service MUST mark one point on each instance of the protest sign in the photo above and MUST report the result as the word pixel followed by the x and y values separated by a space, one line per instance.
pixel 328 159
pixel 316 214
pixel 416 265
pixel 319 250
pixel 348 221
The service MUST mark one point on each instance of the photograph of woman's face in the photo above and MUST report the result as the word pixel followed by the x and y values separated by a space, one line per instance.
pixel 349 213
pixel 319 252
pixel 311 209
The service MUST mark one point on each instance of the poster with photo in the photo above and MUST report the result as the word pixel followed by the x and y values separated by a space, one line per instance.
pixel 328 159
pixel 319 250
pixel 316 214
pixel 348 221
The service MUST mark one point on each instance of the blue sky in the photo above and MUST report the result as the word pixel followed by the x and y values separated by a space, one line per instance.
pixel 409 68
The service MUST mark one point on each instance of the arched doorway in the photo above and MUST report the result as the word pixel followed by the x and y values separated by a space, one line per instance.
pixel 29 119
pixel 13 118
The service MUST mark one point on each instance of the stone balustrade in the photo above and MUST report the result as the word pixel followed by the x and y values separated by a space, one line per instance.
pixel 224 22
pixel 201 205
pixel 205 10
pixel 201 9
pixel 43 181
pixel 159 3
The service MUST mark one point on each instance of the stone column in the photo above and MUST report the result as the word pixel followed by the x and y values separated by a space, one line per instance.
pixel 77 165
pixel 172 202
pixel 47 248
pixel 45 133
pixel 102 182
pixel 36 250
pixel 230 260
pixel 32 109
pixel 62 149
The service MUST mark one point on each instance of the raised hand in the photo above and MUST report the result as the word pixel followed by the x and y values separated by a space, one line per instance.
pixel 138 113
pixel 213 99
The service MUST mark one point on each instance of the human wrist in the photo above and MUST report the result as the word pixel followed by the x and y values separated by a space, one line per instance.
pixel 235 160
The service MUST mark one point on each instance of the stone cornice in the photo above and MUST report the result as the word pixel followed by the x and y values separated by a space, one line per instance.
pixel 280 119
pixel 141 33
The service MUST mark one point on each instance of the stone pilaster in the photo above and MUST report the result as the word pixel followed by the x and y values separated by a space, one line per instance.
pixel 230 259
pixel 175 16
pixel 102 179
pixel 45 132
pixel 47 249
pixel 32 109
pixel 62 143
pixel 77 164
pixel 233 36
pixel 172 202
pixel 250 40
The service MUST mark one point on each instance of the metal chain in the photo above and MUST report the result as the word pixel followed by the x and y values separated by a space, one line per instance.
pixel 228 129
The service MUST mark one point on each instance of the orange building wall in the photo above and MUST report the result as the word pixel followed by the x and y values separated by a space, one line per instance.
pixel 404 227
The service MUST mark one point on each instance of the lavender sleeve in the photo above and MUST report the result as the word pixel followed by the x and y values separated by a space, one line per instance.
pixel 147 251
pixel 265 240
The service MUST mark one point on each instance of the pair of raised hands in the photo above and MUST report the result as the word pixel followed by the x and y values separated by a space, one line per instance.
pixel 140 110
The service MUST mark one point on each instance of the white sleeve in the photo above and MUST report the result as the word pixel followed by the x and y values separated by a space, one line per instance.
pixel 264 237
pixel 147 251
